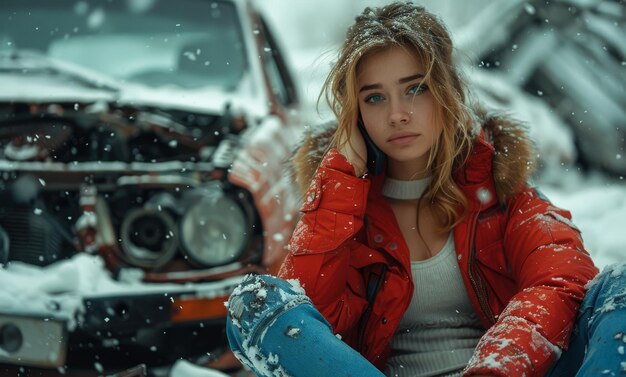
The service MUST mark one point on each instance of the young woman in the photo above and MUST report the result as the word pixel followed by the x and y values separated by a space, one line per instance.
pixel 422 251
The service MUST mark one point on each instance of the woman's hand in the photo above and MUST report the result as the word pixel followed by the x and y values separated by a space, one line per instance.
pixel 354 150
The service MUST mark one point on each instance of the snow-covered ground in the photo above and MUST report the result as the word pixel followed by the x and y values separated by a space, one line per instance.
pixel 598 207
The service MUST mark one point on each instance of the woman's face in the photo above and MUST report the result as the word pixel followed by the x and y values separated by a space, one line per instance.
pixel 397 110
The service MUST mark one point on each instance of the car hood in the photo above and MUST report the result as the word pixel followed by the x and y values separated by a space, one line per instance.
pixel 43 88
pixel 33 78
pixel 48 89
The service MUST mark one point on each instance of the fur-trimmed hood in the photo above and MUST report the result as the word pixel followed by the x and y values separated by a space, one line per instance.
pixel 503 142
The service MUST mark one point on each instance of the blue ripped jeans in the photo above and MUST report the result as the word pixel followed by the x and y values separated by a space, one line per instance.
pixel 275 330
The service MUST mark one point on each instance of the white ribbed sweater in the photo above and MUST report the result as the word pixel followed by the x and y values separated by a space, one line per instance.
pixel 440 329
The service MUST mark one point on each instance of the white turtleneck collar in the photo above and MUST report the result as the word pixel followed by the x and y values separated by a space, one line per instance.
pixel 405 190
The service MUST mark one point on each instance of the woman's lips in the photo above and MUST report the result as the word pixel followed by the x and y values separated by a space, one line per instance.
pixel 401 139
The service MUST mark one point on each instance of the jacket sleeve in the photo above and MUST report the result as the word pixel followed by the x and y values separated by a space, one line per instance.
pixel 324 238
pixel 550 266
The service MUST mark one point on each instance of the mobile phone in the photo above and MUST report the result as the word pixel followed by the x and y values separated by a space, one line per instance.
pixel 375 157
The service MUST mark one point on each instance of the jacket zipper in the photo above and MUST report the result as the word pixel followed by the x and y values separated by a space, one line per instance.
pixel 477 283
pixel 364 318
pixel 368 311
pixel 372 291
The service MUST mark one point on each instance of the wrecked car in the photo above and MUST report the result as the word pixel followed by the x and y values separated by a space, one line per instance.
pixel 148 135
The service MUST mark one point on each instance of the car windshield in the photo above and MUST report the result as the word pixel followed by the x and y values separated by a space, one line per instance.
pixel 185 44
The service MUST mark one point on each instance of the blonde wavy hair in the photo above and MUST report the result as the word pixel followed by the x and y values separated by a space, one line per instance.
pixel 411 27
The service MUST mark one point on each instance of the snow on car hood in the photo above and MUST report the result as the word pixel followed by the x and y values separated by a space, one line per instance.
pixel 32 77
pixel 205 100
pixel 47 89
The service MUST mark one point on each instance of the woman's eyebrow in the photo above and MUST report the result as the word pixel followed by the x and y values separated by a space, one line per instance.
pixel 400 81
pixel 370 87
pixel 410 78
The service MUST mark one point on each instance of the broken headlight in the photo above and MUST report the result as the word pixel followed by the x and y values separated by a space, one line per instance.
pixel 148 237
pixel 210 226
pixel 214 230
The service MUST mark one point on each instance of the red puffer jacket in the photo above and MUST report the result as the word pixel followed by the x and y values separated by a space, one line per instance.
pixel 522 261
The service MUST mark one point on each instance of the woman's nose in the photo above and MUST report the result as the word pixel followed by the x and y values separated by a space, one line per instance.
pixel 398 114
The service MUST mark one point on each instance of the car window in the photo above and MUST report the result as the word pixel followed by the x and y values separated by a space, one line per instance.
pixel 153 42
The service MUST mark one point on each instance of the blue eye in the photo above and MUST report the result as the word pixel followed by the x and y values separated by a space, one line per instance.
pixel 417 89
pixel 374 98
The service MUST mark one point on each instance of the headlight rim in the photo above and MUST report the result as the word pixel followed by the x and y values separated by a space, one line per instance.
pixel 244 210
pixel 172 244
